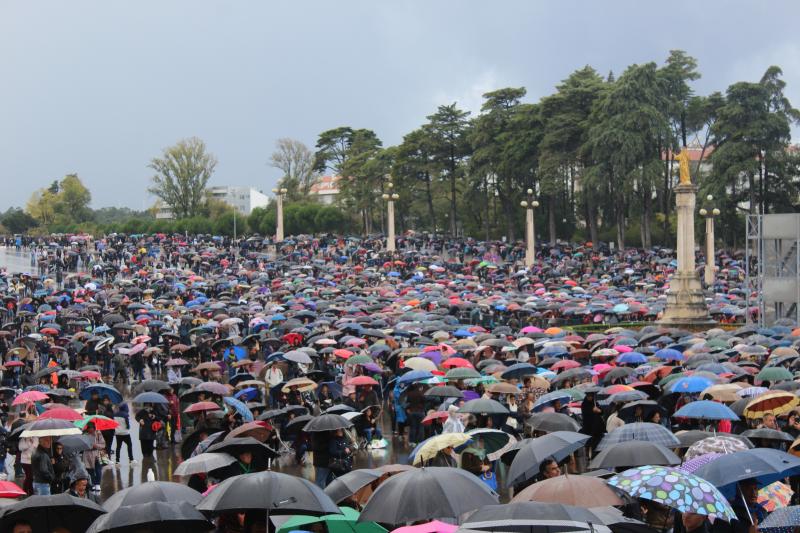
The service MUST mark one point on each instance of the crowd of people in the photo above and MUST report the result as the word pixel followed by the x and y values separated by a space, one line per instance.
pixel 243 358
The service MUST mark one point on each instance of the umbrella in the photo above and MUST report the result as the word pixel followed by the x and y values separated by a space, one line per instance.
pixel 152 491
pixel 460 373
pixel 150 397
pixel 706 410
pixel 483 406
pixel 49 427
pixel 767 434
pixel 76 443
pixel 103 390
pixel 101 423
pixel 634 453
pixel 493 442
pixel 534 517
pixel 46 513
pixel 9 489
pixel 429 527
pixel 425 494
pixel 257 430
pixel 549 422
pixel 346 522
pixel 350 483
pixel 782 520
pixel 30 397
pixel 776 403
pixel 271 492
pixel 203 463
pixel 765 465
pixel 532 452
pixel 435 444
pixel 690 384
pixel 238 445
pixel 327 422
pixel 720 444
pixel 581 491
pixel 151 385
pixel 774 374
pixel 640 431
pixel 775 496
pixel 675 489
pixel 445 391
pixel 62 413
pixel 419 363
pixel 200 407
pixel 156 517
pixel 240 408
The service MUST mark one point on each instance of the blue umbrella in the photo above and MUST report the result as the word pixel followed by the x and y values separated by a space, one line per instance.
pixel 519 370
pixel 414 375
pixel 706 410
pixel 240 408
pixel 150 397
pixel 105 391
pixel 550 398
pixel 690 384
pixel 249 394
pixel 765 465
pixel 634 358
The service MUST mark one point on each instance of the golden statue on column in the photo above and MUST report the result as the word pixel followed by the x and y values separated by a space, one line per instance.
pixel 683 159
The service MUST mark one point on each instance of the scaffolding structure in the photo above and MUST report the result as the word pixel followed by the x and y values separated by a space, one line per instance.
pixel 772 267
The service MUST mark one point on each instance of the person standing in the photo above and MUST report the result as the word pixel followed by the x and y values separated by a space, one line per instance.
pixel 42 467
pixel 319 445
pixel 592 421
pixel 147 431
pixel 91 457
pixel 122 433
pixel 27 445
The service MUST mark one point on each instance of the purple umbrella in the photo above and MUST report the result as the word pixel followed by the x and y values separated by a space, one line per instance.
pixel 470 395
pixel 693 465
pixel 433 355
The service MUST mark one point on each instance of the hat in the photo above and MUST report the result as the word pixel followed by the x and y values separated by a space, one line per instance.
pixel 452 409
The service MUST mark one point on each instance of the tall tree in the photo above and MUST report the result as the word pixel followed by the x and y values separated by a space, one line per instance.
pixel 363 169
pixel 414 164
pixel 333 147
pixel 296 161
pixel 448 132
pixel 182 174
pixel 73 200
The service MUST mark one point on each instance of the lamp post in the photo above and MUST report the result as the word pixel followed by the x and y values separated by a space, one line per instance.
pixel 709 275
pixel 530 238
pixel 390 198
pixel 279 194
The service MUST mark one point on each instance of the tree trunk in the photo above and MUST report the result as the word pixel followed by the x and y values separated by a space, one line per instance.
pixel 453 219
pixel 665 202
pixel 591 219
pixel 620 221
pixel 429 195
pixel 486 221
pixel 551 219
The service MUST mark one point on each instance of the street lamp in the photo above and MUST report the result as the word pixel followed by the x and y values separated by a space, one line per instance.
pixel 530 239
pixel 709 274
pixel 390 198
pixel 279 194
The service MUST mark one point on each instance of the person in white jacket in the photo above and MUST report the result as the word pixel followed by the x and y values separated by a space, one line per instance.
pixel 27 445
pixel 453 424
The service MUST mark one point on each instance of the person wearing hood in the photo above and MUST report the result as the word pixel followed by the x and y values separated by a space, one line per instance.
pixel 79 485
pixel 453 424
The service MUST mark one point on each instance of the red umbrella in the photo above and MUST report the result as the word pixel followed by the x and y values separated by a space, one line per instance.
pixel 9 489
pixel 437 415
pixel 341 352
pixel 362 380
pixel 49 331
pixel 90 374
pixel 11 364
pixel 30 397
pixel 200 407
pixel 101 423
pixel 457 362
pixel 62 413
pixel 565 364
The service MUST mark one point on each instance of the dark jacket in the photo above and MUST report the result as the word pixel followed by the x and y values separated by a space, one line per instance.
pixel 319 445
pixel 146 430
pixel 42 466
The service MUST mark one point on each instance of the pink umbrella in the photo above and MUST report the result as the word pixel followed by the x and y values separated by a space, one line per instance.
pixel 138 348
pixel 530 329
pixel 30 397
pixel 430 527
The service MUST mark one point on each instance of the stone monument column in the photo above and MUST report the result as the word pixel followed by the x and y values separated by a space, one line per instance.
pixel 686 303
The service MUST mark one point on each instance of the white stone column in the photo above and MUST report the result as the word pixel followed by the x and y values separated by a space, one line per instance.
pixel 390 238
pixel 279 224
pixel 530 238
pixel 710 275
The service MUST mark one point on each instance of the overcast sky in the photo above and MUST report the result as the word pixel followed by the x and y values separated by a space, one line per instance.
pixel 101 87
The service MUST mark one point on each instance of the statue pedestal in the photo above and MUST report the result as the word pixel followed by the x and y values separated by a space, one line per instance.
pixel 686 303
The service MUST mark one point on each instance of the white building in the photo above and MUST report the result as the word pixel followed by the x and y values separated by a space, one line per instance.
pixel 243 199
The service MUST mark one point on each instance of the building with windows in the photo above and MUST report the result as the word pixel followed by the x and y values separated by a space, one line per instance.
pixel 243 199
pixel 325 189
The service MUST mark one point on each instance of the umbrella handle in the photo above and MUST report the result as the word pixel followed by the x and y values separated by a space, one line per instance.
pixel 746 507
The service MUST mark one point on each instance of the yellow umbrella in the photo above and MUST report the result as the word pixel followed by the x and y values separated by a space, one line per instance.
pixel 725 392
pixel 776 403
pixel 438 443
pixel 419 363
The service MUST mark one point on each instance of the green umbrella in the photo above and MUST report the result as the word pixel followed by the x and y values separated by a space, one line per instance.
pixel 577 394
pixel 461 373
pixel 774 374
pixel 359 360
pixel 486 380
pixel 347 522
pixel 670 377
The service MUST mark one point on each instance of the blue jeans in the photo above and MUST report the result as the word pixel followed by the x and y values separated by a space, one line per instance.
pixel 370 434
pixel 321 475
pixel 41 489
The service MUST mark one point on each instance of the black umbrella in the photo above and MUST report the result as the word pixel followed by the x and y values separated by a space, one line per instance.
pixel 151 385
pixel 239 445
pixel 634 453
pixel 345 486
pixel 296 424
pixel 155 517
pixel 76 443
pixel 549 422
pixel 152 491
pixel 327 422
pixel 426 494
pixel 339 409
pixel 46 513
pixel 534 517
pixel 557 445
pixel 768 434
pixel 46 371
pixel 687 438
pixel 270 492
pixel 150 397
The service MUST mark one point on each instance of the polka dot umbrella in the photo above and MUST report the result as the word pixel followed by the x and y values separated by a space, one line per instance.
pixel 674 488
